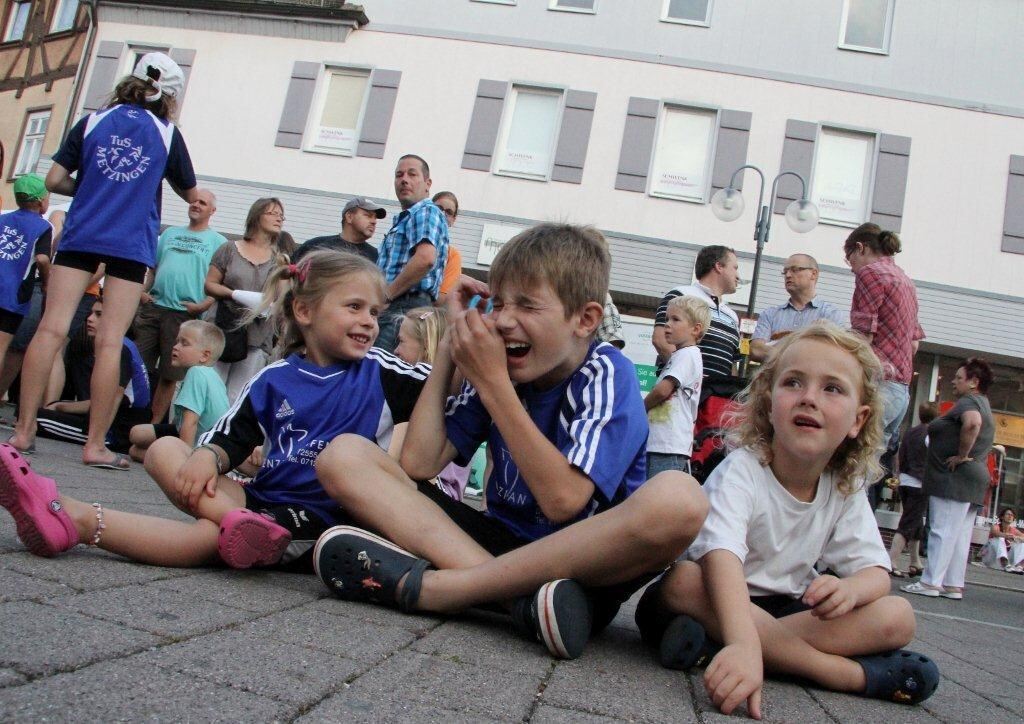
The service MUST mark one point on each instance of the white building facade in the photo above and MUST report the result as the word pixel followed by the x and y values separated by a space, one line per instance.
pixel 628 115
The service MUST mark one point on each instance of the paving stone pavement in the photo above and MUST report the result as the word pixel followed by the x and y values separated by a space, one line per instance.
pixel 91 636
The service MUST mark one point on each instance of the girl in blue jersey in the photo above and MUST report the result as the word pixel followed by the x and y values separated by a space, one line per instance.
pixel 121 154
pixel 330 381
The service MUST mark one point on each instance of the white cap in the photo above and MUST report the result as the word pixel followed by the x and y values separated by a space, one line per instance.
pixel 162 73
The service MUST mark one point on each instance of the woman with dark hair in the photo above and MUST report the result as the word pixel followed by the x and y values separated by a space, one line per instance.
pixel 243 266
pixel 449 205
pixel 884 310
pixel 956 478
pixel 1005 547
pixel 122 153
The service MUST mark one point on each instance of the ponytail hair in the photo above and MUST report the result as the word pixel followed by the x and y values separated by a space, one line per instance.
pixel 872 236
pixel 428 327
pixel 309 281
pixel 133 91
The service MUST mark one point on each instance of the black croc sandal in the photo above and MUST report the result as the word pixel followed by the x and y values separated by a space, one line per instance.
pixel 902 676
pixel 685 644
pixel 357 565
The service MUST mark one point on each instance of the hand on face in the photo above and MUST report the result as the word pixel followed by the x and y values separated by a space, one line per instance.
pixel 477 348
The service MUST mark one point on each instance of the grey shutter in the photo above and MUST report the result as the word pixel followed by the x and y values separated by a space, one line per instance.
pixel 574 136
pixel 731 148
pixel 296 104
pixel 797 155
pixel 483 126
pixel 184 57
pixel 104 75
pixel 890 181
pixel 1013 216
pixel 637 144
pixel 380 106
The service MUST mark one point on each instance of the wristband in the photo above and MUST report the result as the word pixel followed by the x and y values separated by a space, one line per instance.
pixel 216 457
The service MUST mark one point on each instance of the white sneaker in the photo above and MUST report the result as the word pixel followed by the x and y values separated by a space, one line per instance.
pixel 952 595
pixel 921 589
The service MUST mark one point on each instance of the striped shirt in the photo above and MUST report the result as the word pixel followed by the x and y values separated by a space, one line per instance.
pixel 720 346
pixel 595 418
pixel 421 222
pixel 787 318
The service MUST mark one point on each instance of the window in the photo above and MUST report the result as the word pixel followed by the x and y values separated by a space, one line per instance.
pixel 529 129
pixel 842 179
pixel 687 12
pixel 497 2
pixel 338 111
pixel 574 6
pixel 17 21
pixel 135 54
pixel 64 17
pixel 866 25
pixel 32 142
pixel 682 153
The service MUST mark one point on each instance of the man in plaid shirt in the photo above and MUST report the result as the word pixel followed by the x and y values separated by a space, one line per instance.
pixel 885 311
pixel 414 252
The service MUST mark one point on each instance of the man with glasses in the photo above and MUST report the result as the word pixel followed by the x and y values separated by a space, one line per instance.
pixel 358 224
pixel 800 275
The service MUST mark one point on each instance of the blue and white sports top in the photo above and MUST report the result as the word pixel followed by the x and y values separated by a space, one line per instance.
pixel 121 155
pixel 23 235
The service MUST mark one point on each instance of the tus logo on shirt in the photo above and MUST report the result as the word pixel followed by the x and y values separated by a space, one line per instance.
pixel 121 160
pixel 12 244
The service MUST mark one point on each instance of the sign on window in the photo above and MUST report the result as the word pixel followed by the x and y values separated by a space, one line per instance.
pixel 842 175
pixel 342 105
pixel 681 153
pixel 529 134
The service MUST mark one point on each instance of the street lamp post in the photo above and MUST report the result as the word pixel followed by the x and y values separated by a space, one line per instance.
pixel 801 216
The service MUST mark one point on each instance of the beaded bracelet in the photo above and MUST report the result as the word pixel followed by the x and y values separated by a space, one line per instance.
pixel 100 525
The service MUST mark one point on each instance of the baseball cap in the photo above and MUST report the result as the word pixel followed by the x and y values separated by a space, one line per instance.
pixel 361 202
pixel 162 73
pixel 30 188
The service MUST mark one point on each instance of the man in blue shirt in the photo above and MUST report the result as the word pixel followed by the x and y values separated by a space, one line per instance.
pixel 801 277
pixel 414 252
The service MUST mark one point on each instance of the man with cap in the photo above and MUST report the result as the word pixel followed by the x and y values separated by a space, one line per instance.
pixel 25 238
pixel 358 223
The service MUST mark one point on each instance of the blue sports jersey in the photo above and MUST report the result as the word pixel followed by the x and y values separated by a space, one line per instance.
pixel 121 155
pixel 596 418
pixel 298 408
pixel 137 390
pixel 23 234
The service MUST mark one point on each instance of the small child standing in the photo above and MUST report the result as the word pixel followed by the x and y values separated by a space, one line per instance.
pixel 202 397
pixel 672 404
pixel 790 497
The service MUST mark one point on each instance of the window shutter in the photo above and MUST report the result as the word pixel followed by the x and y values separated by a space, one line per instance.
pixel 184 58
pixel 637 144
pixel 483 126
pixel 296 104
pixel 731 148
pixel 380 107
pixel 797 155
pixel 1013 216
pixel 574 136
pixel 890 181
pixel 104 75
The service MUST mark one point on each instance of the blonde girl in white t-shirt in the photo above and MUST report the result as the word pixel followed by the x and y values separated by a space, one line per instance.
pixel 789 497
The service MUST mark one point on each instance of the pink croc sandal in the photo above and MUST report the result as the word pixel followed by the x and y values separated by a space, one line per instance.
pixel 249 539
pixel 43 525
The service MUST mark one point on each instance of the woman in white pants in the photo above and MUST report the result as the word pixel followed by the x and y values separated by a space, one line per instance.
pixel 956 479
pixel 1005 546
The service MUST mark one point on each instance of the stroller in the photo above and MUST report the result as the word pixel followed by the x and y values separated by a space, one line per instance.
pixel 717 401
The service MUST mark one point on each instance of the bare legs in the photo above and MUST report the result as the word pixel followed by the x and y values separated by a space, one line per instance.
pixel 644 533
pixel 801 644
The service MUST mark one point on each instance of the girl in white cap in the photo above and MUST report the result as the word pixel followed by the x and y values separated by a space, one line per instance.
pixel 121 154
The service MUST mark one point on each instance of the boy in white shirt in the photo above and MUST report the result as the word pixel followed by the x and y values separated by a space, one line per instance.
pixel 672 404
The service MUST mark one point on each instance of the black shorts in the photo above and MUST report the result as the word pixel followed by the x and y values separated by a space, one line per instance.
pixel 305 527
pixel 131 271
pixel 10 321
pixel 492 535
pixel 164 429
pixel 779 605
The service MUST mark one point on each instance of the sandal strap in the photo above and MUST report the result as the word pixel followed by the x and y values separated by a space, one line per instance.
pixel 410 594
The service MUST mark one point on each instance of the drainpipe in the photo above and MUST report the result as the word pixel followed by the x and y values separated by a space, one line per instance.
pixel 76 93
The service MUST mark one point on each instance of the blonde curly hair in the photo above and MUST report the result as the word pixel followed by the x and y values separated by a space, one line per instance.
pixel 855 461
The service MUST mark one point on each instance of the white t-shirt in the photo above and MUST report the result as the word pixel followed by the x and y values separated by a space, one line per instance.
pixel 778 538
pixel 672 421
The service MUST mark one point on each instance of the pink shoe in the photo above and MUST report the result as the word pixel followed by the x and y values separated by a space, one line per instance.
pixel 249 539
pixel 43 525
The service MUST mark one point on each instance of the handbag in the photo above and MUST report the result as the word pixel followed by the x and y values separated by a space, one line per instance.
pixel 236 338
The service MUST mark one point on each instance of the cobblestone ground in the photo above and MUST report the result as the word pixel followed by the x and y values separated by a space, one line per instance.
pixel 90 636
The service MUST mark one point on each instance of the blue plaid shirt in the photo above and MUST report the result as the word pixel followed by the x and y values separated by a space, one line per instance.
pixel 422 221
